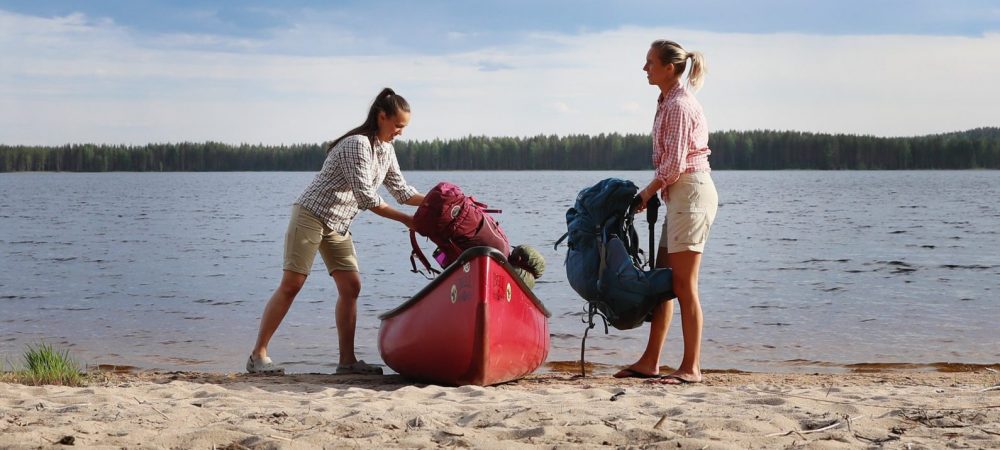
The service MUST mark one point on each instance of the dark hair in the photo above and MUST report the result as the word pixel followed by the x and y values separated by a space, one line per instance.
pixel 387 102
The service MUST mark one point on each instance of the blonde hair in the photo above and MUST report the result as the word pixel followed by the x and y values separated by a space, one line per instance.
pixel 671 52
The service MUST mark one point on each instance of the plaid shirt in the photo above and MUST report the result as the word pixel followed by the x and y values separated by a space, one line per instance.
pixel 348 182
pixel 680 136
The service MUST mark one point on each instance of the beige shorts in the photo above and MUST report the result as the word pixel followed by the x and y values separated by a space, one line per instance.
pixel 306 234
pixel 691 209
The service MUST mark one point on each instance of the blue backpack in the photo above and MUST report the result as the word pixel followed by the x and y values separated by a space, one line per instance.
pixel 604 263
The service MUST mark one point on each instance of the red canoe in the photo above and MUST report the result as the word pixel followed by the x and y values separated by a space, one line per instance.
pixel 476 323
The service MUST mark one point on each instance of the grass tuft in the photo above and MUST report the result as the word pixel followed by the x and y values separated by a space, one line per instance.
pixel 46 365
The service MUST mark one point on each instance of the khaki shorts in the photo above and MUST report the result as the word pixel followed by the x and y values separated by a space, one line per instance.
pixel 691 209
pixel 306 234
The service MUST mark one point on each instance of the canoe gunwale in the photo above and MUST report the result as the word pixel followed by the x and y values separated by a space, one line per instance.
pixel 467 256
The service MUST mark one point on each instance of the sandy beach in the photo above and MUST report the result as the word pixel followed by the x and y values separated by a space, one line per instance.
pixel 552 410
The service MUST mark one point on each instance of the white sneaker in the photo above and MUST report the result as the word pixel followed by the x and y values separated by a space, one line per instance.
pixel 359 368
pixel 263 366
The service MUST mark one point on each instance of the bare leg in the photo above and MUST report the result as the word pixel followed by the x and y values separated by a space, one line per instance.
pixel 277 307
pixel 649 362
pixel 686 266
pixel 348 290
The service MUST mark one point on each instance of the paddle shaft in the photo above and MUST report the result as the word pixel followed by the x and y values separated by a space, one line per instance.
pixel 652 210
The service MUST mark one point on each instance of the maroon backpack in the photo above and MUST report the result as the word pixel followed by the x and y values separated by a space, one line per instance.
pixel 455 222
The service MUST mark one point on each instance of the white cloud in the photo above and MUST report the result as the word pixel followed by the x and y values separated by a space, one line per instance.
pixel 563 108
pixel 882 85
pixel 71 79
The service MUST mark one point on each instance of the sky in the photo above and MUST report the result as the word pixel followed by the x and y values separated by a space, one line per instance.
pixel 302 71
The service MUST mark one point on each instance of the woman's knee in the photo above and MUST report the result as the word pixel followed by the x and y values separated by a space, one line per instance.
pixel 350 293
pixel 348 285
pixel 291 283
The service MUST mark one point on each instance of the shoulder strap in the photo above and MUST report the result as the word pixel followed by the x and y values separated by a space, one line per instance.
pixel 632 241
pixel 416 254
pixel 602 245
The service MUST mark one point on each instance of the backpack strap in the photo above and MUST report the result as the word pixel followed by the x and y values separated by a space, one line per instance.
pixel 484 208
pixel 632 243
pixel 562 238
pixel 602 240
pixel 416 254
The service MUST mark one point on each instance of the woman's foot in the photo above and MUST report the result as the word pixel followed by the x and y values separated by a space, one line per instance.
pixel 358 368
pixel 263 366
pixel 680 378
pixel 633 372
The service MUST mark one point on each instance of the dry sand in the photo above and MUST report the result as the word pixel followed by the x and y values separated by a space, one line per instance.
pixel 729 410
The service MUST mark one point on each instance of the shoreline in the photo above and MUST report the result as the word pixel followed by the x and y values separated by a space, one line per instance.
pixel 730 409
pixel 603 369
pixel 807 367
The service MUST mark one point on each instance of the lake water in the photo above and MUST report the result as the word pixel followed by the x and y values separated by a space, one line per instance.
pixel 804 271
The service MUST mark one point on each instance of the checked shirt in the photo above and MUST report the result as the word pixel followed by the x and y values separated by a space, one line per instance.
pixel 680 136
pixel 348 182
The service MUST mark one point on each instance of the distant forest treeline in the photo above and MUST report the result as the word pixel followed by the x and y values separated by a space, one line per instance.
pixel 731 150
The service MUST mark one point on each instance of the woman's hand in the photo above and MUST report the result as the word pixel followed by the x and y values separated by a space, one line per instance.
pixel 649 191
pixel 408 221
pixel 644 197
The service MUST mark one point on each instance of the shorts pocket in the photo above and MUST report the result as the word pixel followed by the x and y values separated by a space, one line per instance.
pixel 691 227
pixel 304 233
pixel 308 227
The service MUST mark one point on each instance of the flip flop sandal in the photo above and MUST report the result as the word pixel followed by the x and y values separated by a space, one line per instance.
pixel 358 368
pixel 263 366
pixel 675 380
pixel 631 373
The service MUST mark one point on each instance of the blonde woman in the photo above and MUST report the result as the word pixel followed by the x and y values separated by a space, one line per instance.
pixel 682 178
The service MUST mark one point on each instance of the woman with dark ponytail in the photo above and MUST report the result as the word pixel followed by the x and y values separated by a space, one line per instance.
pixel 682 178
pixel 356 164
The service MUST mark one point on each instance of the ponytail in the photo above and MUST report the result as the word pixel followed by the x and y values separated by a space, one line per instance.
pixel 388 102
pixel 696 77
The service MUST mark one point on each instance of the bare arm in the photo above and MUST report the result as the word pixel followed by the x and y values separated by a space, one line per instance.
pixel 414 200
pixel 389 212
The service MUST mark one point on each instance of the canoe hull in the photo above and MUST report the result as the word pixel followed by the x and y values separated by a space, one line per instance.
pixel 476 323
